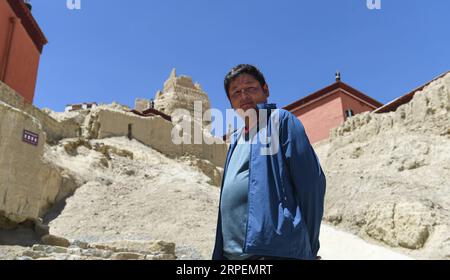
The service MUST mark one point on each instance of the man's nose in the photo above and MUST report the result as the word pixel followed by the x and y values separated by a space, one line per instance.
pixel 246 97
pixel 243 92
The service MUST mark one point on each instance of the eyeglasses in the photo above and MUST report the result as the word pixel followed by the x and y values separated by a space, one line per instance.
pixel 249 90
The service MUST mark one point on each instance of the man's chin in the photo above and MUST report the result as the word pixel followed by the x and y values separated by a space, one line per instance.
pixel 247 107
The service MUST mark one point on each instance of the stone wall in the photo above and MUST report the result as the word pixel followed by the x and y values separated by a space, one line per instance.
pixel 152 131
pixel 27 183
pixel 9 96
pixel 55 130
pixel 141 105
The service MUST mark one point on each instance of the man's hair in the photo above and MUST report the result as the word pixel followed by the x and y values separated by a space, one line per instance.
pixel 243 69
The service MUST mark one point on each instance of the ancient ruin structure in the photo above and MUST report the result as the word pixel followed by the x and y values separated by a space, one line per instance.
pixel 181 93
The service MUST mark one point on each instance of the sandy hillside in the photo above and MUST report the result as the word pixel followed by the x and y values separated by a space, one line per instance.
pixel 139 194
pixel 153 197
pixel 145 198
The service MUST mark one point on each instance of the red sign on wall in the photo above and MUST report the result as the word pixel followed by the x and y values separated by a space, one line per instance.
pixel 30 137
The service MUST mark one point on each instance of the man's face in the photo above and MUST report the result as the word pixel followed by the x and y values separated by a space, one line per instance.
pixel 245 92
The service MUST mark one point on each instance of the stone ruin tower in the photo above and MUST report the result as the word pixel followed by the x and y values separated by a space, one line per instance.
pixel 180 93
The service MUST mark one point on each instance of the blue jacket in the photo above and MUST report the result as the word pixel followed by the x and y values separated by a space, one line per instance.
pixel 285 193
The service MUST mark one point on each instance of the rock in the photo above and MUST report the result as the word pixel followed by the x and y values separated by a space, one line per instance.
pixel 39 247
pixel 60 257
pixel 107 150
pixel 206 167
pixel 404 224
pixel 6 223
pixel 143 247
pixel 34 254
pixel 75 258
pixel 379 222
pixel 333 218
pixel 80 244
pixel 56 250
pixel 74 251
pixel 160 257
pixel 104 181
pixel 68 185
pixel 40 228
pixel 444 247
pixel 127 256
pixel 103 247
pixel 413 221
pixel 24 258
pixel 130 172
pixel 119 250
pixel 97 253
pixel 162 247
pixel 71 146
pixel 19 158
pixel 55 241
pixel 104 162
pixel 121 153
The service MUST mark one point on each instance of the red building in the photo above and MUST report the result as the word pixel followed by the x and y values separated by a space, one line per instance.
pixel 21 44
pixel 329 107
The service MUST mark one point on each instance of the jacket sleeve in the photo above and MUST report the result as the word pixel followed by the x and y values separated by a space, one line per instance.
pixel 306 175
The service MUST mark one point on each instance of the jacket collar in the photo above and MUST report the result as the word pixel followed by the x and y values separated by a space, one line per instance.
pixel 267 106
pixel 236 134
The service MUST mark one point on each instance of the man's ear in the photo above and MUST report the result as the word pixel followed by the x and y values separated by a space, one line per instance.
pixel 266 90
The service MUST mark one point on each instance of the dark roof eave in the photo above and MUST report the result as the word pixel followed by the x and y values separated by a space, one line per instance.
pixel 330 88
pixel 394 104
pixel 29 23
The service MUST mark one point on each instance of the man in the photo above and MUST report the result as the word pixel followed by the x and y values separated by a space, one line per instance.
pixel 271 203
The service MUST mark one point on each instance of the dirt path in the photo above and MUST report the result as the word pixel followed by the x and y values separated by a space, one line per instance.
pixel 339 245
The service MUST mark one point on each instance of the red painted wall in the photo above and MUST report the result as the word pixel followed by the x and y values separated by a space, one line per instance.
pixel 357 106
pixel 5 14
pixel 321 116
pixel 23 59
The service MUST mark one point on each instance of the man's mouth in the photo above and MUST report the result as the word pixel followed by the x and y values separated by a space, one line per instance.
pixel 246 104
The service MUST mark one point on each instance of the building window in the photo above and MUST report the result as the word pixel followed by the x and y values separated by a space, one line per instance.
pixel 349 113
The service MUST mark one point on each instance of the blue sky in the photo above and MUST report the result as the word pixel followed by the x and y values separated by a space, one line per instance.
pixel 116 50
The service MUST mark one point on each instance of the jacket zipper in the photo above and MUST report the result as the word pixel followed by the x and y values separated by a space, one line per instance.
pixel 248 199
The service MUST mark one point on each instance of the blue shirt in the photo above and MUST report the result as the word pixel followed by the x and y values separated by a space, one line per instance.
pixel 234 200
